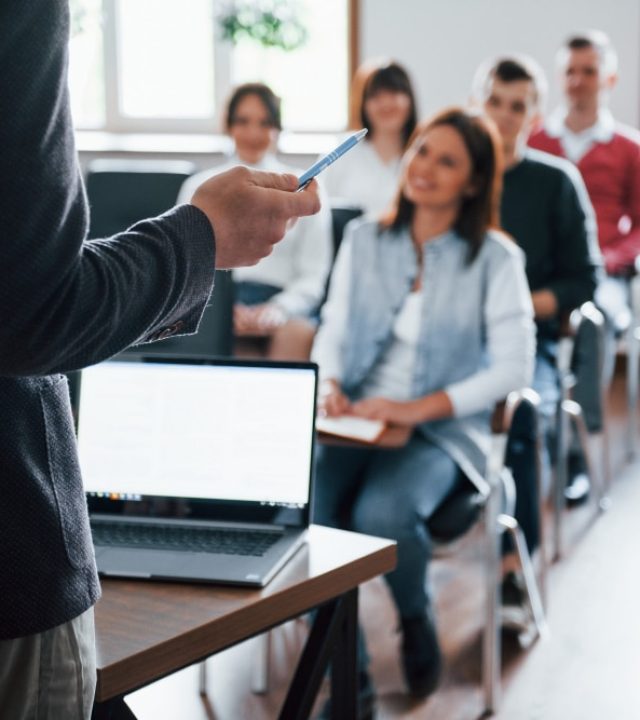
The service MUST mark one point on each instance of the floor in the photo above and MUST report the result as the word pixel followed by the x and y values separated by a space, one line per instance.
pixel 588 668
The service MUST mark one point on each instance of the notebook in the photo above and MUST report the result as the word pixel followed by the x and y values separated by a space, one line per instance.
pixel 197 469
pixel 351 427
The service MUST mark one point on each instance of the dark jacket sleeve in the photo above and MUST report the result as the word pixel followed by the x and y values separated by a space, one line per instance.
pixel 64 302
pixel 578 261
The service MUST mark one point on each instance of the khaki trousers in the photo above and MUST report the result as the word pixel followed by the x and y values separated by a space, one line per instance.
pixel 51 675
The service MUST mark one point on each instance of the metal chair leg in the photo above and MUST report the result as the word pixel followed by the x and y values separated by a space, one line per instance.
pixel 534 598
pixel 202 678
pixel 633 368
pixel 491 646
pixel 543 560
pixel 260 670
pixel 606 461
pixel 601 478
pixel 560 479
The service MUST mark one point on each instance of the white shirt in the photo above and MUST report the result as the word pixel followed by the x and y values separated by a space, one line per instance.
pixel 300 262
pixel 392 376
pixel 361 178
pixel 577 145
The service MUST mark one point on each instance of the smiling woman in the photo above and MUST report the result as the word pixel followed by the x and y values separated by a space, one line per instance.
pixel 438 174
pixel 427 325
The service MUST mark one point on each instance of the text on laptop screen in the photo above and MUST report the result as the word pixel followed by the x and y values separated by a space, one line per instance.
pixel 215 432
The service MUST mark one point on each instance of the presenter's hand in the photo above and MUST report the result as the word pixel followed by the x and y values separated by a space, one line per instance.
pixel 250 210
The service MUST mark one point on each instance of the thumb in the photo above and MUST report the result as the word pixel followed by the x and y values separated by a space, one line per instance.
pixel 275 181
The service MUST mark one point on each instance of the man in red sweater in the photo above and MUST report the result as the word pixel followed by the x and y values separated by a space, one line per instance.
pixel 607 155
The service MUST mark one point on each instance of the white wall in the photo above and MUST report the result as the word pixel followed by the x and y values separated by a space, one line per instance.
pixel 441 42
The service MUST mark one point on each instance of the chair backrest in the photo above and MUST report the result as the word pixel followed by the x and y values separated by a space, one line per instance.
pixel 588 362
pixel 460 511
pixel 121 192
pixel 341 215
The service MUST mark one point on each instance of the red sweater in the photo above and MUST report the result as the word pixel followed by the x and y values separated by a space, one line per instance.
pixel 611 172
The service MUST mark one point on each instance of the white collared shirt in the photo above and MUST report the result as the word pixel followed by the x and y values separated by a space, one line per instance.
pixel 392 376
pixel 363 179
pixel 577 145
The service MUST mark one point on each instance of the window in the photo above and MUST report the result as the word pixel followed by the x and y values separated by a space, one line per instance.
pixel 145 65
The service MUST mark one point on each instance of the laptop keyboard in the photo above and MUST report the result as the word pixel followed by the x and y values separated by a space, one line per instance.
pixel 173 537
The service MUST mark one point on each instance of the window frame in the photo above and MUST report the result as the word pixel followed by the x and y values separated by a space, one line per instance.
pixel 116 122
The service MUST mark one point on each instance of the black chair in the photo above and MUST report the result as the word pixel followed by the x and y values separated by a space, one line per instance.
pixel 583 383
pixel 341 215
pixel 121 192
pixel 633 361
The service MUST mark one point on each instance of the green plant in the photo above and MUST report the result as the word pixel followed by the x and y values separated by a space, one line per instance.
pixel 272 23
pixel 83 14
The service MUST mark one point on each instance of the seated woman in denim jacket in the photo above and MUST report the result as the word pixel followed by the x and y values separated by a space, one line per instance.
pixel 428 324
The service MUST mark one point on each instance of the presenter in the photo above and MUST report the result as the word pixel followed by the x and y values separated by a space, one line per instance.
pixel 67 303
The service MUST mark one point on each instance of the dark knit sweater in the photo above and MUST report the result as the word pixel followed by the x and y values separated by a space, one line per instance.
pixel 546 209
pixel 64 304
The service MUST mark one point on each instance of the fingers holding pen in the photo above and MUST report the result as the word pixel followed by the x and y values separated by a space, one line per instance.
pixel 250 211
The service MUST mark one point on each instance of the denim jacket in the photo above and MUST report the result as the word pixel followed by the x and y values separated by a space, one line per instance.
pixel 476 339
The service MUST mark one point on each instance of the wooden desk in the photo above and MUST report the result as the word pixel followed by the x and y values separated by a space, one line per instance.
pixel 147 630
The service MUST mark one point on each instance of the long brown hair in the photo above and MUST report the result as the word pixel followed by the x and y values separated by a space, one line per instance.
pixel 369 78
pixel 480 211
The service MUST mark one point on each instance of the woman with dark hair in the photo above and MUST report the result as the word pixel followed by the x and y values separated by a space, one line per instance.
pixel 428 324
pixel 276 298
pixel 382 100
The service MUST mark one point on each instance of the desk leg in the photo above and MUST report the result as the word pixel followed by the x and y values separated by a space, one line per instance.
pixel 332 639
pixel 116 709
pixel 344 687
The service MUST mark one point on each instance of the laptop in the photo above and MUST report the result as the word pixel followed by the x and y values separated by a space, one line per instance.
pixel 197 469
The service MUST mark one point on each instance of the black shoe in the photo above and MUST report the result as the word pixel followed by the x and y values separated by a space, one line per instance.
pixel 578 485
pixel 366 699
pixel 515 613
pixel 421 656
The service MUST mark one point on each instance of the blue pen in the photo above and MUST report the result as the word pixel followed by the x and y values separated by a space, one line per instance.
pixel 324 162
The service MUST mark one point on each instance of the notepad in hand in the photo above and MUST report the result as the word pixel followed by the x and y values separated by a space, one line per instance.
pixel 350 426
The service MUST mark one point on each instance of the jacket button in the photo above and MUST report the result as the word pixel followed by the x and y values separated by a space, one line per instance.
pixel 168 331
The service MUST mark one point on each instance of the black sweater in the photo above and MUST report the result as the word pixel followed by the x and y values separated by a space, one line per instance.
pixel 545 207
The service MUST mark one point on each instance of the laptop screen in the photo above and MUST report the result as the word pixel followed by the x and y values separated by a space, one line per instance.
pixel 225 432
